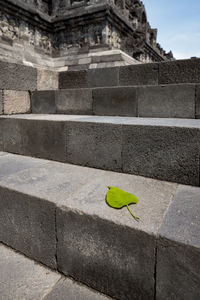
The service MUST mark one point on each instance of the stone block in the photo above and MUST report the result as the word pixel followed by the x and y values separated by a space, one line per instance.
pixel 38 138
pixel 138 75
pixel 73 79
pixel 17 77
pixel 12 136
pixel 115 101
pixel 43 102
pixel 96 244
pixel 178 253
pixel 74 101
pixel 163 152
pixel 179 71
pixel 169 101
pixel 74 291
pixel 1 102
pixel 23 277
pixel 95 145
pixel 198 102
pixel 103 77
pixel 16 102
pixel 47 80
pixel 28 225
pixel 50 139
pixel 101 254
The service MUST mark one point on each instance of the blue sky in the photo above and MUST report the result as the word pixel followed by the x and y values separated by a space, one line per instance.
pixel 178 24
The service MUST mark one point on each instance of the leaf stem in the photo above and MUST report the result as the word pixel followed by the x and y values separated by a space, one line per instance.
pixel 136 218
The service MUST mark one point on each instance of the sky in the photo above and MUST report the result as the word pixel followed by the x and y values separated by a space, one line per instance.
pixel 178 23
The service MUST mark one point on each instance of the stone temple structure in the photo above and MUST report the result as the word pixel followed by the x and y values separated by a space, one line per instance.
pixel 77 34
pixel 89 100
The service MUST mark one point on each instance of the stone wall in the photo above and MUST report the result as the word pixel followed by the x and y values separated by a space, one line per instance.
pixel 16 84
pixel 37 31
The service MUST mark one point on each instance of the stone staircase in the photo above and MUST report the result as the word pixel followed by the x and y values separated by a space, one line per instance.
pixel 135 127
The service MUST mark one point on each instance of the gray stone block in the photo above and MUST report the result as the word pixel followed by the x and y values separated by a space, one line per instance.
pixel 179 71
pixel 115 101
pixel 17 77
pixel 107 246
pixel 28 225
pixel 44 139
pixel 73 291
pixel 1 102
pixel 73 79
pixel 178 261
pixel 198 102
pixel 47 80
pixel 22 278
pixel 43 102
pixel 12 135
pixel 169 101
pixel 138 75
pixel 16 102
pixel 103 77
pixel 95 145
pixel 167 153
pixel 38 138
pixel 74 101
pixel 103 254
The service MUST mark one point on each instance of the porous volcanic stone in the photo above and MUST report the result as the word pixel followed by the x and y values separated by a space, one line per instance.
pixel 178 253
pixel 115 101
pixel 179 71
pixel 17 77
pixel 138 75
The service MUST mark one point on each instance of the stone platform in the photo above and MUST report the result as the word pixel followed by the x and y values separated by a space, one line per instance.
pixel 56 214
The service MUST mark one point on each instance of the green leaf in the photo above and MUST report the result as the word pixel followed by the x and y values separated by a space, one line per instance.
pixel 118 198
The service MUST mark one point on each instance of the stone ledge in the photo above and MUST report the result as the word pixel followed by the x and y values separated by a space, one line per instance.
pixel 162 101
pixel 84 226
pixel 96 244
pixel 123 144
pixel 178 252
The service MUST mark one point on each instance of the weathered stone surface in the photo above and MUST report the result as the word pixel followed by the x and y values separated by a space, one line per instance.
pixel 178 252
pixel 17 77
pixel 106 246
pixel 22 278
pixel 102 254
pixel 25 219
pixel 95 145
pixel 35 138
pixel 138 75
pixel 49 136
pixel 73 79
pixel 170 101
pixel 115 102
pixel 73 291
pixel 198 102
pixel 179 71
pixel 12 164
pixel 167 153
pixel 77 101
pixel 1 102
pixel 47 80
pixel 16 102
pixel 43 102
pixel 11 135
pixel 103 77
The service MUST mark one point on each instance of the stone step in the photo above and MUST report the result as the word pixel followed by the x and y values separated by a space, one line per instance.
pixel 172 72
pixel 165 101
pixel 56 214
pixel 166 149
pixel 23 278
